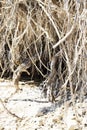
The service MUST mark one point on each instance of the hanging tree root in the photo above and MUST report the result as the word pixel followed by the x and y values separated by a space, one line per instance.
pixel 50 84
pixel 17 73
pixel 22 68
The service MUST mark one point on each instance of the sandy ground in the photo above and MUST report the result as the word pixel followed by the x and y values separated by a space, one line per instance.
pixel 27 110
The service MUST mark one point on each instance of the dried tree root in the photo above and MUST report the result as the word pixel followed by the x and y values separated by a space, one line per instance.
pixel 52 80
pixel 17 73
pixel 13 114
pixel 16 78
pixel 22 68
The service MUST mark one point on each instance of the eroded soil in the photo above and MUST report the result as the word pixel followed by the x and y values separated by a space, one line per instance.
pixel 27 110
